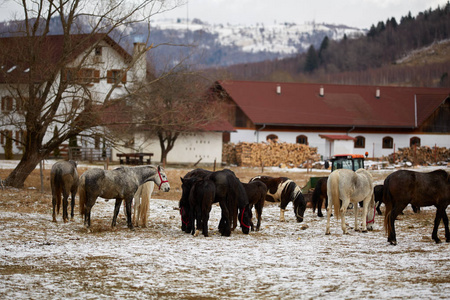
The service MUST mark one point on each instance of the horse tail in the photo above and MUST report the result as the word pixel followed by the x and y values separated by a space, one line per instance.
pixel 334 193
pixel 146 193
pixel 58 186
pixel 82 195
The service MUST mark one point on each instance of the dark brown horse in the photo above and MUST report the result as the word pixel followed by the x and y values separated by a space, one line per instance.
pixel 320 195
pixel 231 196
pixel 284 190
pixel 256 193
pixel 419 189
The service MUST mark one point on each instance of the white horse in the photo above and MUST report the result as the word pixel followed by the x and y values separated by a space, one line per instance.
pixel 120 184
pixel 142 204
pixel 350 187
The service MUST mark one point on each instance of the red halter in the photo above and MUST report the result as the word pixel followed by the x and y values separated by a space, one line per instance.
pixel 373 219
pixel 242 219
pixel 160 178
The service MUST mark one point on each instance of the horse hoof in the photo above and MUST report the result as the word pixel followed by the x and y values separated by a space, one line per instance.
pixel 196 233
pixel 364 231
pixel 438 241
pixel 394 243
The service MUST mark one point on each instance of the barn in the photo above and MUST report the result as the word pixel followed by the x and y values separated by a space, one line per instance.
pixel 376 119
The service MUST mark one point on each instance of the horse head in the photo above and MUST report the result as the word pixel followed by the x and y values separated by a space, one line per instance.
pixel 370 220
pixel 161 180
pixel 299 205
pixel 245 218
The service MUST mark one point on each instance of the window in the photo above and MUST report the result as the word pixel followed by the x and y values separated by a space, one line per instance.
pixel 388 142
pixel 84 75
pixel 302 139
pixel 414 141
pixel 98 51
pixel 272 138
pixel 360 142
pixel 3 135
pixel 7 104
pixel 116 76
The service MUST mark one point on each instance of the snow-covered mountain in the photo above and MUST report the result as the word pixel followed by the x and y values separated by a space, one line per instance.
pixel 224 45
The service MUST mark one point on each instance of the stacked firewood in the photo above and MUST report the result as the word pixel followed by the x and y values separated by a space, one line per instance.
pixel 421 155
pixel 269 154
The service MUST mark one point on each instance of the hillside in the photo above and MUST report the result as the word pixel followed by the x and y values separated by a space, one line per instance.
pixel 413 52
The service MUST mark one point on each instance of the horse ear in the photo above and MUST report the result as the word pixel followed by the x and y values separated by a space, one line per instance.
pixel 182 180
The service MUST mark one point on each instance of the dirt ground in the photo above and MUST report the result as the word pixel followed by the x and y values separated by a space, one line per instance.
pixel 288 260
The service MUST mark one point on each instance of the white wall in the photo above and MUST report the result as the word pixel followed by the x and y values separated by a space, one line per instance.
pixel 188 148
pixel 373 140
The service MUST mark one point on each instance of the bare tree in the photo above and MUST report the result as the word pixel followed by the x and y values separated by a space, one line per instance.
pixel 49 93
pixel 176 103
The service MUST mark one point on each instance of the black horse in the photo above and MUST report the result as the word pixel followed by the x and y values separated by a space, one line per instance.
pixel 284 190
pixel 320 195
pixel 201 197
pixel 378 195
pixel 419 189
pixel 256 193
pixel 231 196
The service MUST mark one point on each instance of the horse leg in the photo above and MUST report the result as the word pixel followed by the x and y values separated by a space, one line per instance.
pixel 128 203
pixel 319 207
pixel 439 215
pixel 343 210
pixel 356 213
pixel 65 205
pixel 447 231
pixel 116 212
pixel 259 208
pixel 328 207
pixel 364 215
pixel 225 226
pixel 396 210
pixel 72 203
pixel 54 201
pixel 378 208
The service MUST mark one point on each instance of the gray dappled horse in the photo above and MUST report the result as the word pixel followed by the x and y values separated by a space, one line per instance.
pixel 120 184
pixel 350 187
pixel 63 179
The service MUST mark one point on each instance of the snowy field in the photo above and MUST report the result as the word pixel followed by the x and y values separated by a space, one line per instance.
pixel 285 260
pixel 43 260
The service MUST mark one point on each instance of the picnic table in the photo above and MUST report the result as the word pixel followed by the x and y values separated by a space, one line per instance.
pixel 135 158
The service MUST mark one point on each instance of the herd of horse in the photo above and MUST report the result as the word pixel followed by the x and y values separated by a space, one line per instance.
pixel 201 188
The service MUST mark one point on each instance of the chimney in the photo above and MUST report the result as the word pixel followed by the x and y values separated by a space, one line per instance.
pixel 278 89
pixel 321 91
pixel 140 62
pixel 377 93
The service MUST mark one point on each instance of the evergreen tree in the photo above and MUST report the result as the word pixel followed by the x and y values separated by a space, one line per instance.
pixel 312 60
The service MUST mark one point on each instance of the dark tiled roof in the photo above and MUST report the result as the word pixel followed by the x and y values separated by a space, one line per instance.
pixel 300 104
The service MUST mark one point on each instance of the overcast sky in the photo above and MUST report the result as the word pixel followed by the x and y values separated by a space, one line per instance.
pixel 355 13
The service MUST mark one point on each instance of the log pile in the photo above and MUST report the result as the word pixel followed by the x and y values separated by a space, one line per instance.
pixel 269 154
pixel 421 155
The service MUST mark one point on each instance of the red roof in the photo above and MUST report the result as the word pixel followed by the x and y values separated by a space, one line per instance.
pixel 301 104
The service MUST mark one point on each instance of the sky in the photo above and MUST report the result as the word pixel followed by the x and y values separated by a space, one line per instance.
pixel 354 13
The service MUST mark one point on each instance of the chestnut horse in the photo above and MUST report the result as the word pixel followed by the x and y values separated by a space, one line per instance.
pixel 419 189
